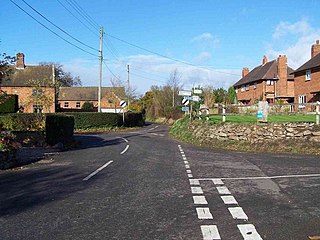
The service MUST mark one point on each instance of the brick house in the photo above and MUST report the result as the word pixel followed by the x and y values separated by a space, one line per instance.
pixel 307 78
pixel 72 98
pixel 34 86
pixel 270 81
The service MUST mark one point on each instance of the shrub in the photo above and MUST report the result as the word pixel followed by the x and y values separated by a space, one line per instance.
pixel 23 121
pixel 8 103
pixel 59 128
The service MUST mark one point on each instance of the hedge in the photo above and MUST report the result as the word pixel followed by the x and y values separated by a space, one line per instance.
pixel 9 103
pixel 59 128
pixel 23 121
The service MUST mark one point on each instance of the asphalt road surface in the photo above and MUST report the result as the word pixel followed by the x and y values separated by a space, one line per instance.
pixel 144 185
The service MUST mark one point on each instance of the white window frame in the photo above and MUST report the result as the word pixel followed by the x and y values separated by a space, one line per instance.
pixel 66 104
pixel 255 86
pixel 247 87
pixel 308 75
pixel 270 82
pixel 78 104
pixel 302 101
pixel 243 88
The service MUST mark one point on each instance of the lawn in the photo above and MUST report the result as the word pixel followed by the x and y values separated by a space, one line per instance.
pixel 271 118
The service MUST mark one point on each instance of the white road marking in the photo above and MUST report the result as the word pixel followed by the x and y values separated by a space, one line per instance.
pixel 210 232
pixel 127 147
pixel 157 134
pixel 186 162
pixel 249 232
pixel 184 158
pixel 183 155
pixel 190 175
pixel 96 171
pixel 223 190
pixel 229 200
pixel 217 181
pixel 123 139
pixel 189 171
pixel 204 213
pixel 187 166
pixel 196 190
pixel 194 182
pixel 238 213
pixel 199 200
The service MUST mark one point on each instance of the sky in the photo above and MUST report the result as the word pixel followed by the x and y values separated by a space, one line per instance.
pixel 207 41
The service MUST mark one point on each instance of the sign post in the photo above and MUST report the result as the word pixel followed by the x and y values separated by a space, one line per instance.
pixel 123 104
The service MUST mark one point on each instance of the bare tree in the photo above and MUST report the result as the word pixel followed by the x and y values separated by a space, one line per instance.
pixel 174 84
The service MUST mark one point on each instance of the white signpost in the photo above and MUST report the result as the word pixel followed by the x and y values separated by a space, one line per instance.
pixel 123 104
pixel 184 93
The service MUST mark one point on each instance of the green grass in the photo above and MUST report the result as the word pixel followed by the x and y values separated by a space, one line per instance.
pixel 271 118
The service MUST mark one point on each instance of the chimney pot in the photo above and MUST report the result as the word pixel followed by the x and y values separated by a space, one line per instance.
pixel 264 60
pixel 315 49
pixel 20 61
pixel 245 71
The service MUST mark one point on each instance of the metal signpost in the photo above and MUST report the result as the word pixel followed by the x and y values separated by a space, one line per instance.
pixel 123 104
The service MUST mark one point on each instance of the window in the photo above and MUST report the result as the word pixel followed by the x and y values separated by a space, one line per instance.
pixel 37 108
pixel 302 101
pixel 308 75
pixel 255 86
pixel 247 87
pixel 77 104
pixel 37 92
pixel 270 82
pixel 236 90
pixel 66 104
pixel 243 88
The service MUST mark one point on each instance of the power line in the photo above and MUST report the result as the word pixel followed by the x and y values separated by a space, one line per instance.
pixel 110 70
pixel 85 13
pixel 65 32
pixel 72 44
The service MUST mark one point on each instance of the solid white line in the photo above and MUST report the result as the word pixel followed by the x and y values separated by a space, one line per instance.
pixel 196 190
pixel 217 181
pixel 199 200
pixel 229 200
pixel 210 232
pixel 223 190
pixel 125 150
pixel 238 213
pixel 96 171
pixel 204 213
pixel 194 182
pixel 249 232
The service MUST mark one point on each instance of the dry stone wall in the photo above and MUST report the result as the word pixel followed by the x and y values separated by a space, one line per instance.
pixel 255 133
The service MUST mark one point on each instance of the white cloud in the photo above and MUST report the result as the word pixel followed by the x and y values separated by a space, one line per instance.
pixel 286 28
pixel 207 40
pixel 202 57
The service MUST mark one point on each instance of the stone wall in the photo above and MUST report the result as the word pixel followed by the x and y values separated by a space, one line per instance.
pixel 255 133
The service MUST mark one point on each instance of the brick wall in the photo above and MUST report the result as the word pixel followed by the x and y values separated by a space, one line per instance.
pixel 303 87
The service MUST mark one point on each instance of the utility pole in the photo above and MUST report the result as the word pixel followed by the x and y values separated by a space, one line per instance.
pixel 100 78
pixel 129 92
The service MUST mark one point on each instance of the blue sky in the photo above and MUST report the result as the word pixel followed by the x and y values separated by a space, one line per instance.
pixel 217 38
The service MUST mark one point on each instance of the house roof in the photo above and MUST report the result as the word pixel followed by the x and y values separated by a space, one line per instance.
pixel 29 76
pixel 312 63
pixel 263 72
pixel 88 93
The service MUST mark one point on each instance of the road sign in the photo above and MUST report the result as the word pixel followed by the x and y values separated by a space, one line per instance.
pixel 184 93
pixel 123 104
pixel 185 109
pixel 195 98
pixel 185 101
pixel 197 91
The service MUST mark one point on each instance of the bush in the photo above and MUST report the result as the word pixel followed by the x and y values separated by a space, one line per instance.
pixel 8 103
pixel 59 128
pixel 87 120
pixel 132 120
pixel 23 121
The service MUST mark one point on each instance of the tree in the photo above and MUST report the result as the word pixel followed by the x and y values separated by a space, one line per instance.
pixel 5 62
pixel 220 95
pixel 174 84
pixel 63 78
pixel 231 95
pixel 87 106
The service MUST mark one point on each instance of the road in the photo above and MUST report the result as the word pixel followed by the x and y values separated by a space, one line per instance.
pixel 145 185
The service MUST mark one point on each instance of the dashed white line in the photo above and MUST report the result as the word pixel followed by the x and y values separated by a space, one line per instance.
pixel 238 213
pixel 196 190
pixel 210 232
pixel 127 147
pixel 96 171
pixel 190 175
pixel 229 200
pixel 194 182
pixel 189 171
pixel 187 166
pixel 199 200
pixel 217 181
pixel 204 213
pixel 186 162
pixel 223 190
pixel 249 232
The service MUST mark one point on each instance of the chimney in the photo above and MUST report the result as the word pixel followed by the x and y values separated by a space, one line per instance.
pixel 20 61
pixel 264 60
pixel 282 76
pixel 245 71
pixel 315 49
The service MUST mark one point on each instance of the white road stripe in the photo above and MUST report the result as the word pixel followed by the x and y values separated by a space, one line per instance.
pixel 194 182
pixel 217 181
pixel 123 139
pixel 199 200
pixel 204 213
pixel 249 232
pixel 186 162
pixel 210 232
pixel 223 190
pixel 238 213
pixel 189 171
pixel 187 166
pixel 229 200
pixel 196 190
pixel 96 171
pixel 127 147
pixel 190 175
pixel 184 158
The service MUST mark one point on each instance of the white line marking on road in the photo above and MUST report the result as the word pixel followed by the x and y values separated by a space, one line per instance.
pixel 238 213
pixel 186 162
pixel 184 158
pixel 217 181
pixel 194 182
pixel 187 166
pixel 249 232
pixel 204 213
pixel 96 171
pixel 183 155
pixel 127 147
pixel 196 190
pixel 189 171
pixel 210 232
pixel 190 175
pixel 229 200
pixel 123 139
pixel 157 134
pixel 200 200
pixel 223 190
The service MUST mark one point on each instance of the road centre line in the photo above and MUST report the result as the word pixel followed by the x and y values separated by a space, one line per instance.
pixel 127 147
pixel 96 171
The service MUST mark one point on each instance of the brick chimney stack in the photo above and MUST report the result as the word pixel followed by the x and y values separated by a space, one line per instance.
pixel 315 49
pixel 264 60
pixel 20 61
pixel 282 76
pixel 245 71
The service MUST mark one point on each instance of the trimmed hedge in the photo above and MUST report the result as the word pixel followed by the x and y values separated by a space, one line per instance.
pixel 9 104
pixel 23 121
pixel 132 120
pixel 87 120
pixel 59 128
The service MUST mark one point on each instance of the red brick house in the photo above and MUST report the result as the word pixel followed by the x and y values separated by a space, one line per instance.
pixel 34 86
pixel 307 78
pixel 72 98
pixel 270 81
